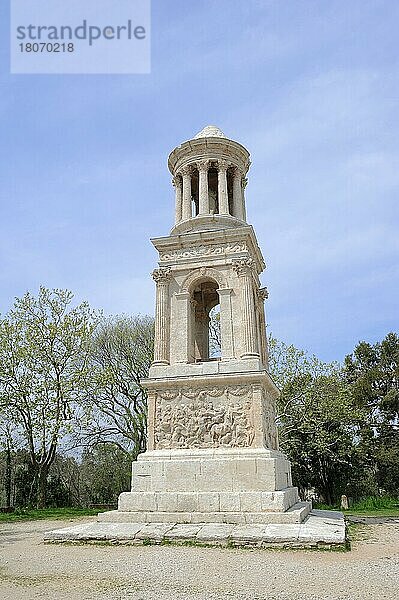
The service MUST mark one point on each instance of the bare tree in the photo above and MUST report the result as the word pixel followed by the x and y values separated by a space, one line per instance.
pixel 215 343
pixel 122 351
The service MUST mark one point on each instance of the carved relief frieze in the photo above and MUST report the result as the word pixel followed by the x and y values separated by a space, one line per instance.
pixel 269 422
pixel 204 418
pixel 204 251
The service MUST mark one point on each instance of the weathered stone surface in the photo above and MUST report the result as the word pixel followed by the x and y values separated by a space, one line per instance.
pixel 321 527
pixel 185 532
pixel 95 532
pixel 154 531
pixel 296 514
pixel 213 470
pixel 215 532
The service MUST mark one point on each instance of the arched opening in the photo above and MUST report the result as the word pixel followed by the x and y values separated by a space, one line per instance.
pixel 215 342
pixel 204 299
pixel 195 192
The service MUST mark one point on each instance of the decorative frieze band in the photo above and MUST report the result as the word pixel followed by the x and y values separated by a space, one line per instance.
pixel 200 251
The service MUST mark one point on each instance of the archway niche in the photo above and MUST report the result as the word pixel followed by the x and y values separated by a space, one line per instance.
pixel 195 192
pixel 204 299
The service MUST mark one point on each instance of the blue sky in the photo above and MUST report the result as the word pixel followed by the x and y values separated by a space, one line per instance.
pixel 310 88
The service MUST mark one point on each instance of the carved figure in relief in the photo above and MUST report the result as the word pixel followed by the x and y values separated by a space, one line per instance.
pixel 203 423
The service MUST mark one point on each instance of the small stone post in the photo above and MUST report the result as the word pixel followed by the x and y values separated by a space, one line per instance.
pixel 344 502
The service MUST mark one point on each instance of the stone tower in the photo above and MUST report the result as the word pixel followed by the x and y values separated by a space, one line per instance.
pixel 212 442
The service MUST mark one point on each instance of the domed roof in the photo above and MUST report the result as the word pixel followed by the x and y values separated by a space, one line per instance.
pixel 210 131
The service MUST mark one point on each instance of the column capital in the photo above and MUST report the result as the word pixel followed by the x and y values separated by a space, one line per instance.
pixel 224 291
pixel 203 165
pixel 237 171
pixel 182 295
pixel 176 181
pixel 243 266
pixel 223 165
pixel 263 293
pixel 162 275
pixel 187 170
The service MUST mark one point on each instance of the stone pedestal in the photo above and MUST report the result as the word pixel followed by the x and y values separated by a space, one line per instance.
pixel 213 486
pixel 213 453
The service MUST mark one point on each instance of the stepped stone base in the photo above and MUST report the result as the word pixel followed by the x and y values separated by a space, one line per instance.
pixel 210 470
pixel 223 485
pixel 296 514
pixel 320 529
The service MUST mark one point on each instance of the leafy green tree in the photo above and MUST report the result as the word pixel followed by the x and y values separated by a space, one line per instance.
pixel 105 472
pixel 7 449
pixel 316 419
pixel 372 371
pixel 66 483
pixel 44 363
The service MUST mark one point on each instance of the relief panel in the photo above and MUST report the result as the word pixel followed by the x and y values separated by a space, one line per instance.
pixel 204 418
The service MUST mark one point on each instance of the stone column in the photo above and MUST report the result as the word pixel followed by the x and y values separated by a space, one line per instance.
pixel 177 183
pixel 226 324
pixel 243 267
pixel 222 188
pixel 237 194
pixel 203 167
pixel 263 295
pixel 183 319
pixel 187 211
pixel 162 316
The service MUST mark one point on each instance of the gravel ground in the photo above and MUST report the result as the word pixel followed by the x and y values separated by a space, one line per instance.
pixel 30 569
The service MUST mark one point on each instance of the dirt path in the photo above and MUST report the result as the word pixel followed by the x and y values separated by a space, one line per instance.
pixel 32 570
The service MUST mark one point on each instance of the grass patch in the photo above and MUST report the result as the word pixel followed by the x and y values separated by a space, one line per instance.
pixel 32 514
pixel 378 512
pixel 373 506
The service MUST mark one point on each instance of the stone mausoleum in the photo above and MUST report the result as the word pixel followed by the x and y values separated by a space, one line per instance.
pixel 213 470
pixel 213 452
